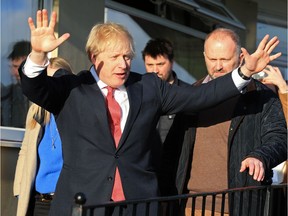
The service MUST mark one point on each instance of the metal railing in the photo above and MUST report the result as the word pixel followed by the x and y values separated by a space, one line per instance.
pixel 261 200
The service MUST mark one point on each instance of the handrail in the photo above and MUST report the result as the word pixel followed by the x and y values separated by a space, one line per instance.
pixel 265 194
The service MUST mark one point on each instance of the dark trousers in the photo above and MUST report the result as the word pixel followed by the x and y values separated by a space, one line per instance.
pixel 38 207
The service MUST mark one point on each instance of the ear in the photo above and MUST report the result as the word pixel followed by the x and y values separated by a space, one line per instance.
pixel 93 58
pixel 241 59
pixel 204 54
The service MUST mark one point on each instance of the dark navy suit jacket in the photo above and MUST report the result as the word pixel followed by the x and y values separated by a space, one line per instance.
pixel 90 156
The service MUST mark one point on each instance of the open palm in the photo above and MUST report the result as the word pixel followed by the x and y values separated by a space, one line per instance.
pixel 258 60
pixel 43 37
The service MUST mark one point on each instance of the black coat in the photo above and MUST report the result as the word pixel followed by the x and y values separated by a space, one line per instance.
pixel 258 129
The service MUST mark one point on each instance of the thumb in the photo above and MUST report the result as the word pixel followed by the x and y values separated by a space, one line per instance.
pixel 62 39
pixel 243 166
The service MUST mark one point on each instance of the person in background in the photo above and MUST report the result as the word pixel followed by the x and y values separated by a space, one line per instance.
pixel 158 56
pixel 107 116
pixel 274 77
pixel 40 157
pixel 224 140
pixel 14 105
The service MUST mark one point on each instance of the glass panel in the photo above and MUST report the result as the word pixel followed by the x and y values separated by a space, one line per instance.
pixel 218 9
pixel 189 62
pixel 281 33
pixel 14 28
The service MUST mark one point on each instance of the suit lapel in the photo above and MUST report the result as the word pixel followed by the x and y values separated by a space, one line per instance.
pixel 135 99
pixel 97 100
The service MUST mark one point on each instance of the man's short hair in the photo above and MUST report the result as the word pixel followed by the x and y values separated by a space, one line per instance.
pixel 158 46
pixel 20 49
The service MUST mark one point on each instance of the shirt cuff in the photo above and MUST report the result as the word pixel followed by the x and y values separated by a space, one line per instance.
pixel 239 82
pixel 31 70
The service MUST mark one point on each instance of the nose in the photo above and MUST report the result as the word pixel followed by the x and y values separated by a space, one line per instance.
pixel 155 69
pixel 122 62
pixel 219 65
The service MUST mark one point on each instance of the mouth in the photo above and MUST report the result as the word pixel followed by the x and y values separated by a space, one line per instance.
pixel 121 75
pixel 218 74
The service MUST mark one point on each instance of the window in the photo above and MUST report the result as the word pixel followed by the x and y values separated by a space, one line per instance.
pixel 14 28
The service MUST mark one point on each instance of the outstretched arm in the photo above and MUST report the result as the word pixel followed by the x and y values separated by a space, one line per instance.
pixel 258 60
pixel 43 38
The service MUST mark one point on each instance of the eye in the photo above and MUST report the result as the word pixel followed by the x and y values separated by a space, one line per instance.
pixel 127 57
pixel 113 57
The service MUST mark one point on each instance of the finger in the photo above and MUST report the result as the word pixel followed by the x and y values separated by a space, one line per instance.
pixel 63 38
pixel 272 44
pixel 261 173
pixel 243 166
pixel 268 70
pixel 269 67
pixel 275 56
pixel 44 18
pixel 251 168
pixel 31 24
pixel 276 69
pixel 256 171
pixel 39 19
pixel 263 42
pixel 53 20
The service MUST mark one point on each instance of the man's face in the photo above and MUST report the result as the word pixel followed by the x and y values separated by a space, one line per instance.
pixel 14 65
pixel 161 66
pixel 113 65
pixel 221 57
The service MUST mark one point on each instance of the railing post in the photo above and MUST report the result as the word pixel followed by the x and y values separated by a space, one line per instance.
pixel 80 200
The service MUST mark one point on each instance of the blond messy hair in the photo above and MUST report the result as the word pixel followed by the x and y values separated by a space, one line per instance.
pixel 107 35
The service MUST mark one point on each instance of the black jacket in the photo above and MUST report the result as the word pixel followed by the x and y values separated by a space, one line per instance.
pixel 258 129
pixel 167 164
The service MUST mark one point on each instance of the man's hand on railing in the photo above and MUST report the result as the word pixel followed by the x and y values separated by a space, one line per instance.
pixel 255 166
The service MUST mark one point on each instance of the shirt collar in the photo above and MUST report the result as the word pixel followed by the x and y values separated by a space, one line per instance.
pixel 99 82
pixel 207 79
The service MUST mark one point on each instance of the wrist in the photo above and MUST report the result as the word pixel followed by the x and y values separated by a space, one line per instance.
pixel 242 75
pixel 38 57
pixel 283 88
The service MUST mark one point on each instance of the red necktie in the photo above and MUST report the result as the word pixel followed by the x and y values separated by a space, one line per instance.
pixel 114 114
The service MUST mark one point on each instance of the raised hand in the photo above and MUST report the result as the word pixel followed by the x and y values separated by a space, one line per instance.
pixel 274 76
pixel 43 39
pixel 258 60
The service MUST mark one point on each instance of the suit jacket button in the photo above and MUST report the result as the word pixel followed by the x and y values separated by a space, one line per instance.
pixel 109 178
pixel 116 156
